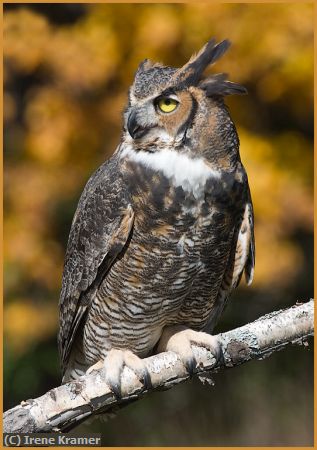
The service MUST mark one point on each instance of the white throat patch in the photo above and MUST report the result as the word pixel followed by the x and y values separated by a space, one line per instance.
pixel 190 174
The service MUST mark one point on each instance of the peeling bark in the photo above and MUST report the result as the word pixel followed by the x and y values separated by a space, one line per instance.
pixel 66 406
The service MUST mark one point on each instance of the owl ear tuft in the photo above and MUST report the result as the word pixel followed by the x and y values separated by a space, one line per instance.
pixel 144 65
pixel 219 85
pixel 190 74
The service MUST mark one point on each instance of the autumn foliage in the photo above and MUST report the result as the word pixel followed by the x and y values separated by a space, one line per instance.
pixel 67 70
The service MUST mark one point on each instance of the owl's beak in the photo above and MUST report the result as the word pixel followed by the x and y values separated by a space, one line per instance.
pixel 135 129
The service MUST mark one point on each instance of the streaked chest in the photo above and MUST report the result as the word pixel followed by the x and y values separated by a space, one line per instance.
pixel 173 192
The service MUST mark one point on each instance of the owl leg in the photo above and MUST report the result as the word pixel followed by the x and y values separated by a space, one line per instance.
pixel 178 339
pixel 113 366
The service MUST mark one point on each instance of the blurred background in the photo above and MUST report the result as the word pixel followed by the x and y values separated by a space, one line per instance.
pixel 67 71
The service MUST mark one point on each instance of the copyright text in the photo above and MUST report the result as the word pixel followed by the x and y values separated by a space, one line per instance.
pixel 51 440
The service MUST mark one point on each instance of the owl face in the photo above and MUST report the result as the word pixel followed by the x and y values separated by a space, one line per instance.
pixel 166 102
pixel 162 117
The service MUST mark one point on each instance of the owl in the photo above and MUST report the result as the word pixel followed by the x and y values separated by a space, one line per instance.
pixel 163 230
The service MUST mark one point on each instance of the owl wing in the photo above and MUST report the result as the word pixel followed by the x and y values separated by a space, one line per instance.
pixel 99 232
pixel 244 255
pixel 241 259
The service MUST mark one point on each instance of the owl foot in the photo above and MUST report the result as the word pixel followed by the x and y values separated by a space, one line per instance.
pixel 178 339
pixel 113 366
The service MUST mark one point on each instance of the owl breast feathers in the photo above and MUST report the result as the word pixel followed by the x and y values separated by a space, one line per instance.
pixel 163 230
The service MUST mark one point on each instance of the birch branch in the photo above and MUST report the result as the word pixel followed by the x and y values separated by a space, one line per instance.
pixel 65 406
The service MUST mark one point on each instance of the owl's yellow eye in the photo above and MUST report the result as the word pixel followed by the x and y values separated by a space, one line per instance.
pixel 167 104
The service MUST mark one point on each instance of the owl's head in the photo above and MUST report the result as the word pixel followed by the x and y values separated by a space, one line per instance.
pixel 169 106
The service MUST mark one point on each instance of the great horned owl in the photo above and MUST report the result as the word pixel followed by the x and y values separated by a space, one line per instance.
pixel 163 230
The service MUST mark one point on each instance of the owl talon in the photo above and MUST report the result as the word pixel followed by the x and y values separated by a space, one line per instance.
pixel 178 339
pixel 190 365
pixel 113 366
pixel 218 354
pixel 116 389
pixel 147 380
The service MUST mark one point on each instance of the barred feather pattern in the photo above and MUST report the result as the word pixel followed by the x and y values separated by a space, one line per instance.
pixel 170 270
pixel 164 230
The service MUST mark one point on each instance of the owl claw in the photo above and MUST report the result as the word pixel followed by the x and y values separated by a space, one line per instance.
pixel 190 365
pixel 113 366
pixel 218 354
pixel 147 380
pixel 116 389
pixel 178 339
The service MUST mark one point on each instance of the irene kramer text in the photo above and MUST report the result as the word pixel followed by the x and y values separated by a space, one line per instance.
pixel 54 439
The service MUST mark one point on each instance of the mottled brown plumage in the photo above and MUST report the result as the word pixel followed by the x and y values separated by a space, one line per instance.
pixel 163 230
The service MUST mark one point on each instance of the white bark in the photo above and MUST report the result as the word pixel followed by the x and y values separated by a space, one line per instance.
pixel 65 406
